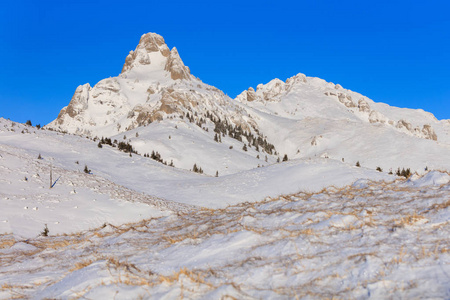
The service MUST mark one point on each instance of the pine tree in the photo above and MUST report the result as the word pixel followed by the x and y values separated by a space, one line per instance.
pixel 285 158
pixel 358 164
pixel 245 147
pixel 86 170
pixel 99 145
pixel 217 173
pixel 28 123
pixel 45 231
pixel 39 156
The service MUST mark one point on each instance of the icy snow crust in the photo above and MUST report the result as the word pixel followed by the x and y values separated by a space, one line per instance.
pixel 380 241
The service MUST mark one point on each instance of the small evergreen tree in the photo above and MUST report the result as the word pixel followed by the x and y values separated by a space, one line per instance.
pixel 278 160
pixel 379 169
pixel 45 231
pixel 217 173
pixel 28 123
pixel 86 169
pixel 99 145
pixel 358 164
pixel 39 156
pixel 245 147
pixel 38 126
pixel 285 158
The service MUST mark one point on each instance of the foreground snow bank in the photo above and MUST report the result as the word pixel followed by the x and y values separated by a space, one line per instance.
pixel 379 241
pixel 433 178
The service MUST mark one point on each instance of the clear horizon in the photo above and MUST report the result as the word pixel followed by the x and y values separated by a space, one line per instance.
pixel 396 53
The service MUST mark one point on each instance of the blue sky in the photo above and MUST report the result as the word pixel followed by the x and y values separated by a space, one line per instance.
pixel 397 52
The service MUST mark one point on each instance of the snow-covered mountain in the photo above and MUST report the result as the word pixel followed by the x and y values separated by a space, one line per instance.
pixel 154 85
pixel 155 101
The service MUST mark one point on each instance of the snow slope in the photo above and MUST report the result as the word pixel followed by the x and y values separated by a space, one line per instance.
pixel 152 178
pixel 368 241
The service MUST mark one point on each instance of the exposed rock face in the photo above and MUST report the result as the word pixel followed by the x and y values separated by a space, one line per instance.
pixel 176 66
pixel 273 91
pixel 404 124
pixel 150 42
pixel 78 103
pixel 346 100
pixel 251 95
pixel 363 106
pixel 429 133
pixel 377 117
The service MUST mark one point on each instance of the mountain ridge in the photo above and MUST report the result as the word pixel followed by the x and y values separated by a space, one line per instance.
pixel 301 117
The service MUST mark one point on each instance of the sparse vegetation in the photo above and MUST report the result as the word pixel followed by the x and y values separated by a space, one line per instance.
pixel 45 231
pixel 405 173
pixel 86 170
pixel 197 169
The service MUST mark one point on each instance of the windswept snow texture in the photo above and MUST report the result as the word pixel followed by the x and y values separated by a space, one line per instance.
pixel 378 241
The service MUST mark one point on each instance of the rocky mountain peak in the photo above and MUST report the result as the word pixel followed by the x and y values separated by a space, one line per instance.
pixel 78 103
pixel 176 67
pixel 149 43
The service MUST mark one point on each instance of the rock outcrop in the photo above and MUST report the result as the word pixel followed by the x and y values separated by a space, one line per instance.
pixel 176 67
pixel 149 43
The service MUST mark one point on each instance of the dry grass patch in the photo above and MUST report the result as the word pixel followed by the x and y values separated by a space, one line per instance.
pixel 82 264
pixel 7 242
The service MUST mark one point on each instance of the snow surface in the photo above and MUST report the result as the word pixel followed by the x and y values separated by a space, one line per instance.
pixel 135 228
pixel 380 241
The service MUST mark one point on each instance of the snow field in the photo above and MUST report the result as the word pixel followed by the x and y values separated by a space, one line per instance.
pixel 381 240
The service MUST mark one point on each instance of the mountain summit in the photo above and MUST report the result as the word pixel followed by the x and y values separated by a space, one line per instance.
pixel 152 50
